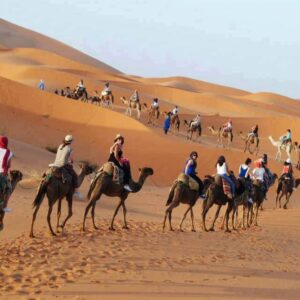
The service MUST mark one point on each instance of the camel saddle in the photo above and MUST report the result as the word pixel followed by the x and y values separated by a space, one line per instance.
pixel 112 170
pixel 189 181
pixel 224 184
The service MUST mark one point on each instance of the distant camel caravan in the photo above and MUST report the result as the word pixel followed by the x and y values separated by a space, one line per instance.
pixel 57 190
pixel 287 147
pixel 193 129
pixel 251 143
pixel 222 135
pixel 131 104
pixel 14 176
pixel 104 184
pixel 285 188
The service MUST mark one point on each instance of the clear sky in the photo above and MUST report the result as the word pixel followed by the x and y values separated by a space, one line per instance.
pixel 248 44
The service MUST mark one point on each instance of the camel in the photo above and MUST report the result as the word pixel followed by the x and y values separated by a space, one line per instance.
pixel 153 115
pixel 14 176
pixel 175 123
pixel 181 193
pixel 251 143
pixel 192 129
pixel 221 135
pixel 215 195
pixel 132 104
pixel 285 188
pixel 241 200
pixel 56 190
pixel 103 184
pixel 286 146
pixel 107 100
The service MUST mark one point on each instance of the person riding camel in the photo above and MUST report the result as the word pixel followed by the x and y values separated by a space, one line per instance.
pixel 106 91
pixel 190 170
pixel 5 162
pixel 286 138
pixel 64 160
pixel 227 127
pixel 268 176
pixel 116 157
pixel 244 173
pixel 223 171
pixel 253 132
pixel 287 172
pixel 175 111
pixel 258 172
pixel 80 86
pixel 155 104
pixel 135 96
pixel 196 121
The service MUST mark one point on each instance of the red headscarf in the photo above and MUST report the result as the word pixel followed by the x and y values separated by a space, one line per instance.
pixel 3 145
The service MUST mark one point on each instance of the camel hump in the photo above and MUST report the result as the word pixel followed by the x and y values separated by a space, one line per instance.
pixel 189 181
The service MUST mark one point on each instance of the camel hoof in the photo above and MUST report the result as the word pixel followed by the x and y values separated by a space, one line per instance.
pixel 193 230
pixel 171 229
pixel 125 227
pixel 111 228
pixel 284 207
pixel 227 230
pixel 32 236
pixel 96 228
pixel 53 234
pixel 181 229
pixel 211 229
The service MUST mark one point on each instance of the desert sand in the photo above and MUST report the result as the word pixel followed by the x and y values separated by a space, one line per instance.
pixel 143 262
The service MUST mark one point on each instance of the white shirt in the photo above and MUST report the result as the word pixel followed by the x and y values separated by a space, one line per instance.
pixel 258 173
pixel 175 111
pixel 197 119
pixel 155 104
pixel 229 125
pixel 2 153
pixel 222 170
pixel 62 156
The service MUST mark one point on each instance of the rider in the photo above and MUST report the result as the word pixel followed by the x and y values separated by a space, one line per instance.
pixel 258 171
pixel 223 171
pixel 155 104
pixel 253 132
pixel 190 170
pixel 244 172
pixel 287 171
pixel 286 138
pixel 268 176
pixel 175 111
pixel 106 91
pixel 227 127
pixel 64 159
pixel 196 121
pixel 135 96
pixel 5 161
pixel 116 157
pixel 80 86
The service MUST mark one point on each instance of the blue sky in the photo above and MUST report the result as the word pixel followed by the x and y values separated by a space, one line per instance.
pixel 248 44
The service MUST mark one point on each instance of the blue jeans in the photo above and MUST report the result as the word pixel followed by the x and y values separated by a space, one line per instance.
pixel 231 183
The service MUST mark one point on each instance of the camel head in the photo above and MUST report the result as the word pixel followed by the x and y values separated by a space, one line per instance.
pixel 297 182
pixel 87 168
pixel 15 176
pixel 146 171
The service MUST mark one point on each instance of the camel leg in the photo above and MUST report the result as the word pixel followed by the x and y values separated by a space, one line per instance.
pixel 234 217
pixel 91 203
pixel 93 215
pixel 170 220
pixel 256 214
pixel 124 215
pixel 115 213
pixel 288 195
pixel 279 200
pixel 192 218
pixel 227 213
pixel 70 212
pixel 49 218
pixel 184 216
pixel 244 213
pixel 138 114
pixel 212 228
pixel 206 207
pixel 33 220
pixel 58 214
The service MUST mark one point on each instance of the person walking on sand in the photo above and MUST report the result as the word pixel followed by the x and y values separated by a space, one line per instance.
pixel 41 85
pixel 167 123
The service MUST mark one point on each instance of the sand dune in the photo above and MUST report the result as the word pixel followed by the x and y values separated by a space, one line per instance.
pixel 13 36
